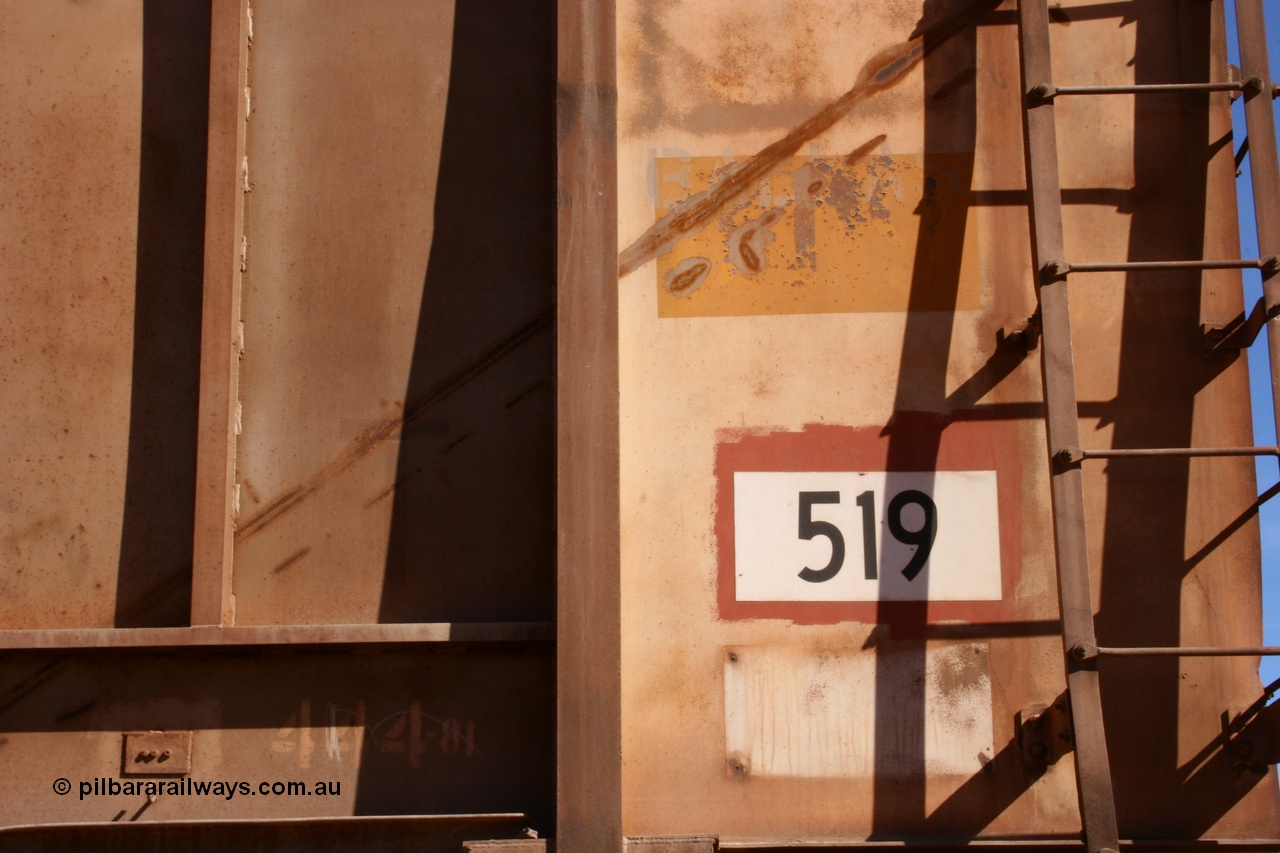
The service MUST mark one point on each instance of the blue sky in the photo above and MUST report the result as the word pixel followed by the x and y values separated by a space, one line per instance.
pixel 1264 431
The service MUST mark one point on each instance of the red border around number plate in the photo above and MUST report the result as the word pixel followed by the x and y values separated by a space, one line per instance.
pixel 962 445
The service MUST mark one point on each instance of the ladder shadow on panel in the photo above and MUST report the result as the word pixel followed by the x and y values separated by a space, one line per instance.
pixel 1183 799
pixel 915 436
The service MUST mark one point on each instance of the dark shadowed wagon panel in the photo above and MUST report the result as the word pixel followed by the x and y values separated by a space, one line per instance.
pixel 377 284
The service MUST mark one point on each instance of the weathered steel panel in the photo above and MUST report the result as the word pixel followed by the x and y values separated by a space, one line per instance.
pixel 396 455
pixel 393 440
pixel 428 731
pixel 821 220
pixel 754 344
pixel 102 153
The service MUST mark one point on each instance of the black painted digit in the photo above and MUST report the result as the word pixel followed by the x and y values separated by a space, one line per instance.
pixel 922 538
pixel 810 528
pixel 870 555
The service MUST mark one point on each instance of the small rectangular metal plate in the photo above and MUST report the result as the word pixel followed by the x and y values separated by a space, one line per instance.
pixel 156 754
pixel 841 713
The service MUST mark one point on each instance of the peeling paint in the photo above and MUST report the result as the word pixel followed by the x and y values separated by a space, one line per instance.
pixel 880 72
pixel 824 235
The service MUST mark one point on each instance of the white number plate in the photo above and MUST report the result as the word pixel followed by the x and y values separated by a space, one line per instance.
pixel 872 536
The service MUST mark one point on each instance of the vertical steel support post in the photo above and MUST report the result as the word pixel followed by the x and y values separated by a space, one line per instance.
pixel 1093 769
pixel 589 605
pixel 1260 121
pixel 211 602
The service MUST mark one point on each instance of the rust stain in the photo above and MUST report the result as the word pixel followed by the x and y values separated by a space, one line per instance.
pixel 860 153
pixel 34 530
pixel 75 712
pixel 451 445
pixel 158 598
pixel 525 393
pixel 30 684
pixel 388 428
pixel 251 491
pixel 387 492
pixel 739 765
pixel 291 559
pixel 966 76
pixel 687 276
pixel 748 243
pixel 879 73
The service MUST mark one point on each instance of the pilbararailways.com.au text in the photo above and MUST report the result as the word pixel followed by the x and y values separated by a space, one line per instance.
pixel 228 790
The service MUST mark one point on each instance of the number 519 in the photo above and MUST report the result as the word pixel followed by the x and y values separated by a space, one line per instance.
pixel 921 538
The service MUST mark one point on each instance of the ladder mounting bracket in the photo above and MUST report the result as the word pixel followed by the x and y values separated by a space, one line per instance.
pixel 1022 337
pixel 1236 334
pixel 1044 733
pixel 1253 742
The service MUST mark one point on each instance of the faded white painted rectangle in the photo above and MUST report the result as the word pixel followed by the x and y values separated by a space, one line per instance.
pixel 774 561
pixel 825 714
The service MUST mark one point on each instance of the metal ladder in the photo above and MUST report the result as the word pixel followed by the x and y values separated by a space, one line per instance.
pixel 1081 651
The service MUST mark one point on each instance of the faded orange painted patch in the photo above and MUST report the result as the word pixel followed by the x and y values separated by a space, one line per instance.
pixel 822 235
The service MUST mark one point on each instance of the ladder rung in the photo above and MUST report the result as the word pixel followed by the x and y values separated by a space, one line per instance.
pixel 1047 91
pixel 1085 652
pixel 1061 268
pixel 1071 455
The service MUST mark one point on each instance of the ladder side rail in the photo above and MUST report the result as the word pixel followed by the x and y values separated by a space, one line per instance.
pixel 1093 770
pixel 1260 122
